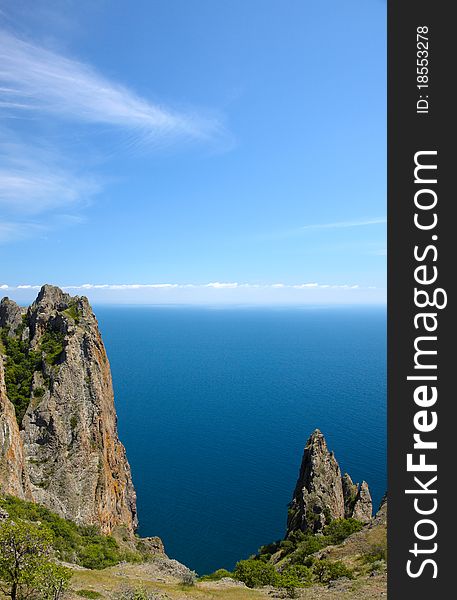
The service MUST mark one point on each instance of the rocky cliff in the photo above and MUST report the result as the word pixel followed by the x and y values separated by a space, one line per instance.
pixel 58 427
pixel 322 494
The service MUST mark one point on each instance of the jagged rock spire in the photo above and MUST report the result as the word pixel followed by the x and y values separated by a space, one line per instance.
pixel 321 494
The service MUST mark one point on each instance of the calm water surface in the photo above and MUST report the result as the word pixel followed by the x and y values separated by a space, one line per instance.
pixel 215 407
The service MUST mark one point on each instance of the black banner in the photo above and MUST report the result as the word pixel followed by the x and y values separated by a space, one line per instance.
pixel 421 326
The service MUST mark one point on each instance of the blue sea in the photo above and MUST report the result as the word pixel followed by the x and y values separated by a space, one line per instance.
pixel 215 407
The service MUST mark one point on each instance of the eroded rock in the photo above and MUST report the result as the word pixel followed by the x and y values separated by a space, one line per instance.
pixel 65 453
pixel 321 494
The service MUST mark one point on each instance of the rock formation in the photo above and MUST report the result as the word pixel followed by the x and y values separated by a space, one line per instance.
pixel 58 427
pixel 321 494
pixel 13 473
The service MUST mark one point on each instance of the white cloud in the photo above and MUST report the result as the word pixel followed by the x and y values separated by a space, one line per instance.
pixel 35 79
pixel 37 176
pixel 344 224
pixel 31 181
pixel 304 229
pixel 207 294
pixel 213 285
pixel 11 231
pixel 218 285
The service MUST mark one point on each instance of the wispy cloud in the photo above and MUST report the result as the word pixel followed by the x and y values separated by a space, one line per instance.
pixel 33 182
pixel 37 172
pixel 309 228
pixel 345 224
pixel 34 79
pixel 11 231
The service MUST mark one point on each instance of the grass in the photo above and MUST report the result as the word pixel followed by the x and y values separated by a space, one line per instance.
pixel 109 581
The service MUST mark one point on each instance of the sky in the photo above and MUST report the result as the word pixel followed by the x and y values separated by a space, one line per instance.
pixel 194 151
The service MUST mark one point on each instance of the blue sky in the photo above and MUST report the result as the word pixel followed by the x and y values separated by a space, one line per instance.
pixel 194 151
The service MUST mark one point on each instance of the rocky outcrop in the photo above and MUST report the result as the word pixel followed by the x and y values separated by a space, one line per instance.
pixel 13 472
pixel 65 452
pixel 10 316
pixel 321 494
pixel 363 507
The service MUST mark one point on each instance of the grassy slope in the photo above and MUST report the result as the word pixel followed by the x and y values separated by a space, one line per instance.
pixel 365 586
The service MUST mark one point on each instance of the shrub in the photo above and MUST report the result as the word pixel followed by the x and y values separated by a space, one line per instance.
pixel 339 529
pixel 217 575
pixel 83 545
pixel 312 544
pixel 376 553
pixel 91 594
pixel 297 536
pixel 325 570
pixel 295 576
pixel 269 548
pixel 255 573
pixel 188 578
pixel 287 546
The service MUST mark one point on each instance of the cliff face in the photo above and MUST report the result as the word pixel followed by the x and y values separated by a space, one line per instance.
pixel 322 494
pixel 13 473
pixel 65 453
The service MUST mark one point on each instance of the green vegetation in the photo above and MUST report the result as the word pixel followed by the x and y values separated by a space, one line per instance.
pixel 136 593
pixel 26 568
pixel 295 566
pixel 339 529
pixel 21 363
pixel 91 594
pixel 52 345
pixel 377 553
pixel 299 545
pixel 256 573
pixel 325 571
pixel 39 392
pixel 79 544
pixel 216 576
pixel 73 312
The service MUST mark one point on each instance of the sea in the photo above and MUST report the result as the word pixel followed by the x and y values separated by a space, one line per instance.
pixel 215 406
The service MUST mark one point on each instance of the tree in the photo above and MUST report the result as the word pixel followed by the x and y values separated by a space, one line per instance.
pixel 52 580
pixel 25 566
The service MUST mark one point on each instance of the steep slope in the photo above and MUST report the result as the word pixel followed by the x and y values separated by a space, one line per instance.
pixel 63 451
